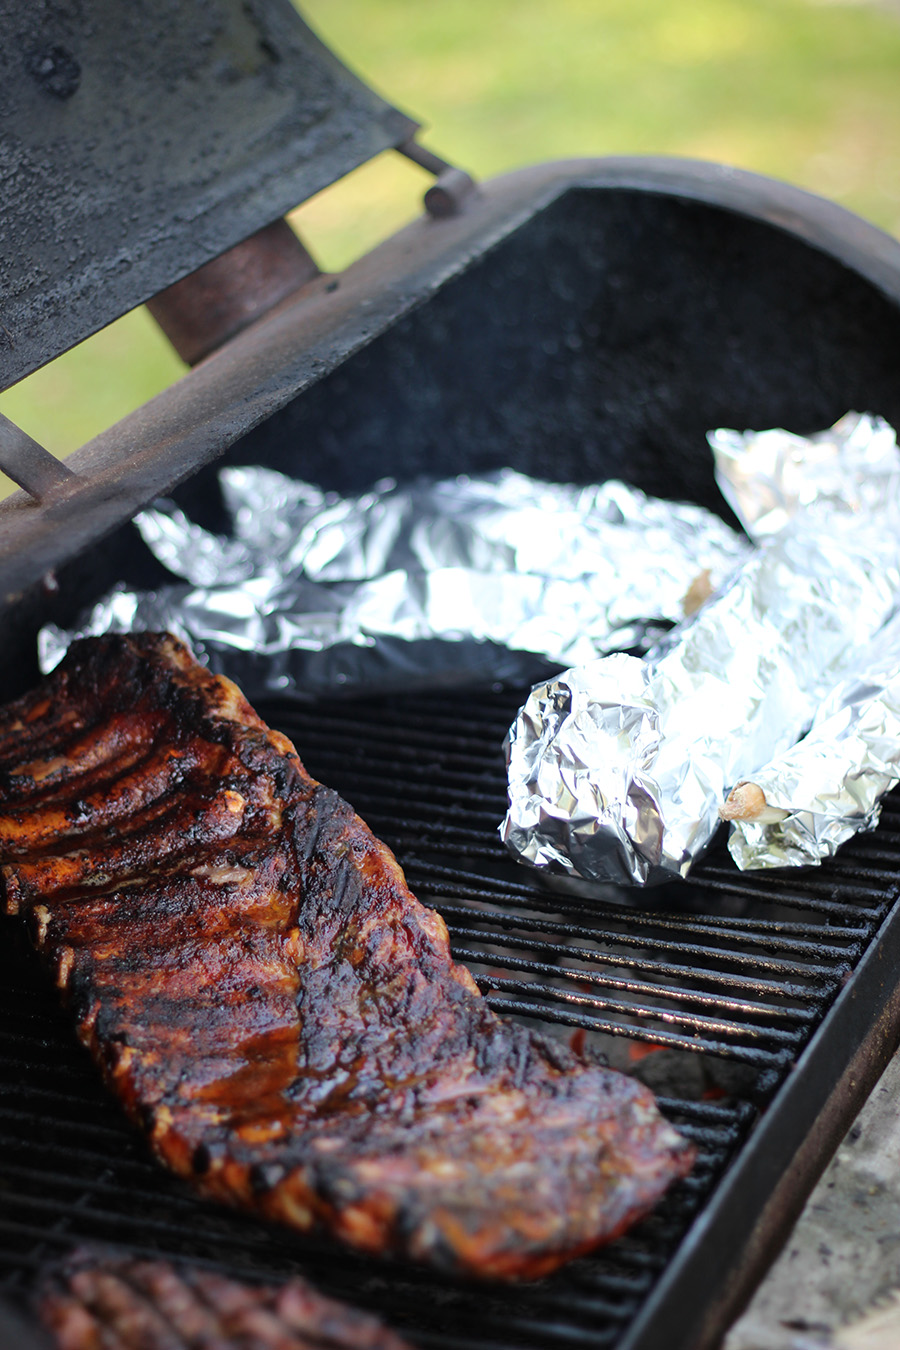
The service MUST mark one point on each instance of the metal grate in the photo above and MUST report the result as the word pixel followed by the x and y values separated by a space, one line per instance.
pixel 710 999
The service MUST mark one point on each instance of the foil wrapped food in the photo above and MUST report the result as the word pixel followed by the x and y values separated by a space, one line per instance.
pixel 470 578
pixel 804 804
pixel 619 769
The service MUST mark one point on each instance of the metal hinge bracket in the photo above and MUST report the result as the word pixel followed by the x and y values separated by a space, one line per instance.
pixel 451 188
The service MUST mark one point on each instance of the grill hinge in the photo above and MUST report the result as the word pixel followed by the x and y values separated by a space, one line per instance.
pixel 448 194
pixel 29 464
pixel 202 311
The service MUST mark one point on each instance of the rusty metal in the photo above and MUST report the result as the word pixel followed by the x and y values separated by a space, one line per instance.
pixel 31 466
pixel 452 186
pixel 141 141
pixel 214 303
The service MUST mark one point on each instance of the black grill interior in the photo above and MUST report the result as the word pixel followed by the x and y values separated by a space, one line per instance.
pixel 709 998
pixel 602 338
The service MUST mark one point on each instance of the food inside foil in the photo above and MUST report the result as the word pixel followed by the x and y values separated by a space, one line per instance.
pixel 619 769
pixel 463 579
pixel 807 802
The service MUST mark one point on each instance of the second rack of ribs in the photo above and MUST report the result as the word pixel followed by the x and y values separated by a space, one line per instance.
pixel 272 1004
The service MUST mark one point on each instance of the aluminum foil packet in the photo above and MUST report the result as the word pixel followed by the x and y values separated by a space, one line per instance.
pixel 469 578
pixel 803 805
pixel 618 769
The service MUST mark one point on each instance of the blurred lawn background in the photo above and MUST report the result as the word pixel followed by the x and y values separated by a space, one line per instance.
pixel 804 90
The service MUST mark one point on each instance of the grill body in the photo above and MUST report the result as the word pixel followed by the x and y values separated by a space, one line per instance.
pixel 588 319
pixel 576 322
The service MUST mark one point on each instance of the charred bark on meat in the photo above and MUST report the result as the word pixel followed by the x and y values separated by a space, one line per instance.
pixel 272 1004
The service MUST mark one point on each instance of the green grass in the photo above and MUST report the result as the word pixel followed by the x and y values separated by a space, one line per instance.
pixel 804 91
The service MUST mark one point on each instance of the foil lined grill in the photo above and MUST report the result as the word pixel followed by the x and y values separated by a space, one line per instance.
pixel 725 986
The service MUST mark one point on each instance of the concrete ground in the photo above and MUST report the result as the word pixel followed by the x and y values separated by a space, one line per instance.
pixel 836 1285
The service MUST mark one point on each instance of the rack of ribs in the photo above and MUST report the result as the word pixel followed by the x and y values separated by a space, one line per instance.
pixel 272 1005
pixel 97 1302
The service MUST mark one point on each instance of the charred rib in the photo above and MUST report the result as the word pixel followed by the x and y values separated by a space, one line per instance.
pixel 263 992
pixel 120 1303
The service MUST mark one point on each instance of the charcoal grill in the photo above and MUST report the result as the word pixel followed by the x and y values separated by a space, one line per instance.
pixel 577 320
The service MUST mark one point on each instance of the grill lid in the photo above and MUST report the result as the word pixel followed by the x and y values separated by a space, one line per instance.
pixel 139 141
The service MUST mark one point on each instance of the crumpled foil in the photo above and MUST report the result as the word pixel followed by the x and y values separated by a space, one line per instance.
pixel 463 579
pixel 618 768
pixel 828 786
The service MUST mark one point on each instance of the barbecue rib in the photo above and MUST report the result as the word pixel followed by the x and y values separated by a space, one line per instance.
pixel 272 1004
pixel 96 1303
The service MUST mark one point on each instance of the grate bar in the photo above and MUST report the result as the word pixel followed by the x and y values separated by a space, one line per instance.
pixel 711 878
pixel 245 1238
pixel 439 1341
pixel 737 1114
pixel 474 830
pixel 710 1025
pixel 39 1041
pixel 427 725
pixel 821 950
pixel 54 1063
pixel 628 1253
pixel 696 1023
pixel 86 1099
pixel 377 780
pixel 447 839
pixel 657 1036
pixel 711 1136
pixel 804 993
pixel 697 951
pixel 676 993
pixel 127 1155
pixel 458 885
pixel 387 793
pixel 85 1126
pixel 96 1186
pixel 462 752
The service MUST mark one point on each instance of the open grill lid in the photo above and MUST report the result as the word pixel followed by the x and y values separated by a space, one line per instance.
pixel 139 141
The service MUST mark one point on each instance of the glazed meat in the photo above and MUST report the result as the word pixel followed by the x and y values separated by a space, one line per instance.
pixel 93 1303
pixel 271 1003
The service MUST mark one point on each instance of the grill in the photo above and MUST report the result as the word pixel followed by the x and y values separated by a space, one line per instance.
pixel 725 986
pixel 578 321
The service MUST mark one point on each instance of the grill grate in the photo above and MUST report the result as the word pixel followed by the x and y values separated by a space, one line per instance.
pixel 710 1000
